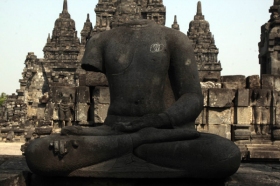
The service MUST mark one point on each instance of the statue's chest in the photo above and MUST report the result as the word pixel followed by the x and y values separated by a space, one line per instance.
pixel 148 56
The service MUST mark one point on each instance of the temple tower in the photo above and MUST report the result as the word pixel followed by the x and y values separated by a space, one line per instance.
pixel 106 12
pixel 64 44
pixel 62 50
pixel 206 52
pixel 269 46
pixel 85 33
pixel 155 10
pixel 175 24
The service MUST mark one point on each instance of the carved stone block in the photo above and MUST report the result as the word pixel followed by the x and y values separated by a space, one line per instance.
pixel 222 98
pixel 277 116
pixel 202 118
pixel 59 92
pixel 82 112
pixel 210 84
pixel 261 115
pixel 218 129
pixel 40 113
pixel 100 112
pixel 82 79
pixel 253 82
pixel 101 95
pixel 244 115
pixel 55 115
pixel 31 111
pixel 261 97
pixel 220 116
pixel 242 98
pixel 276 134
pixel 101 104
pixel 241 133
pixel 43 130
pixel 267 81
pixel 96 79
pixel 277 83
pixel 233 82
pixel 83 94
pixel 205 96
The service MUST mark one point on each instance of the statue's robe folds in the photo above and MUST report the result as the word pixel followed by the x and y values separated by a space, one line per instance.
pixel 137 58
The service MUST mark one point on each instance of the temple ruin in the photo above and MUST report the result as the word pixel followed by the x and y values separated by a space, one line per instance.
pixel 55 91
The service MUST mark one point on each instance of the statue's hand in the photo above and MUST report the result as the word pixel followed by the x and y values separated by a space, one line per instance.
pixel 62 147
pixel 150 120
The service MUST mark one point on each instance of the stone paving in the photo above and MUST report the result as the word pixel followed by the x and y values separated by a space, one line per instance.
pixel 12 149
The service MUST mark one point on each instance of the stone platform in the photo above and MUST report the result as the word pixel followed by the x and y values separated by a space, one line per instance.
pixel 14 172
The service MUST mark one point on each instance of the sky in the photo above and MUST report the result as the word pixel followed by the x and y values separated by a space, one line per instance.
pixel 25 25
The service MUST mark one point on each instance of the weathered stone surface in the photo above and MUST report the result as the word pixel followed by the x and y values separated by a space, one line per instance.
pixel 244 115
pixel 242 98
pixel 206 52
pixel 210 84
pixel 267 81
pixel 253 82
pixel 96 79
pixel 241 133
pixel 277 83
pixel 202 118
pixel 263 151
pixel 218 129
pixel 262 115
pixel 221 98
pixel 83 95
pixel 233 82
pixel 276 133
pixel 277 116
pixel 102 95
pixel 205 94
pixel 101 103
pixel 256 174
pixel 220 116
pixel 261 97
pixel 82 112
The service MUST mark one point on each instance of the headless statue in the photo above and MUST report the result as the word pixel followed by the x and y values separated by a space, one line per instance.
pixel 137 57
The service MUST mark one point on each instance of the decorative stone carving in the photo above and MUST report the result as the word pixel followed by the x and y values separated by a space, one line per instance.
pixel 206 52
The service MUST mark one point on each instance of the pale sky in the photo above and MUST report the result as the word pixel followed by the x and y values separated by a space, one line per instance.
pixel 25 25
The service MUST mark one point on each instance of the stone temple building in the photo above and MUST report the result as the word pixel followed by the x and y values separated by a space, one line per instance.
pixel 206 52
pixel 55 91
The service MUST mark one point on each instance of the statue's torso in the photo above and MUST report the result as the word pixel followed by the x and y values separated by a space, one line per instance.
pixel 136 63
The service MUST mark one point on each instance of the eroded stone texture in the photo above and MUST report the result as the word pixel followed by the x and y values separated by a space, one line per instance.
pixel 244 115
pixel 223 130
pixel 206 52
pixel 210 84
pixel 101 104
pixel 220 116
pixel 242 98
pixel 221 98
pixel 96 79
pixel 269 46
pixel 107 15
pixel 233 82
pixel 253 82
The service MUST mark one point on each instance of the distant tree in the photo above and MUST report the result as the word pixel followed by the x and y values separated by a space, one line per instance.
pixel 3 97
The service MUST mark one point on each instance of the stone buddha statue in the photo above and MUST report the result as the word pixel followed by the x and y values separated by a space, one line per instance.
pixel 141 137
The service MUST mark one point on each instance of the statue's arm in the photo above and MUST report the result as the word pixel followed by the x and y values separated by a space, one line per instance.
pixel 185 84
pixel 93 56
